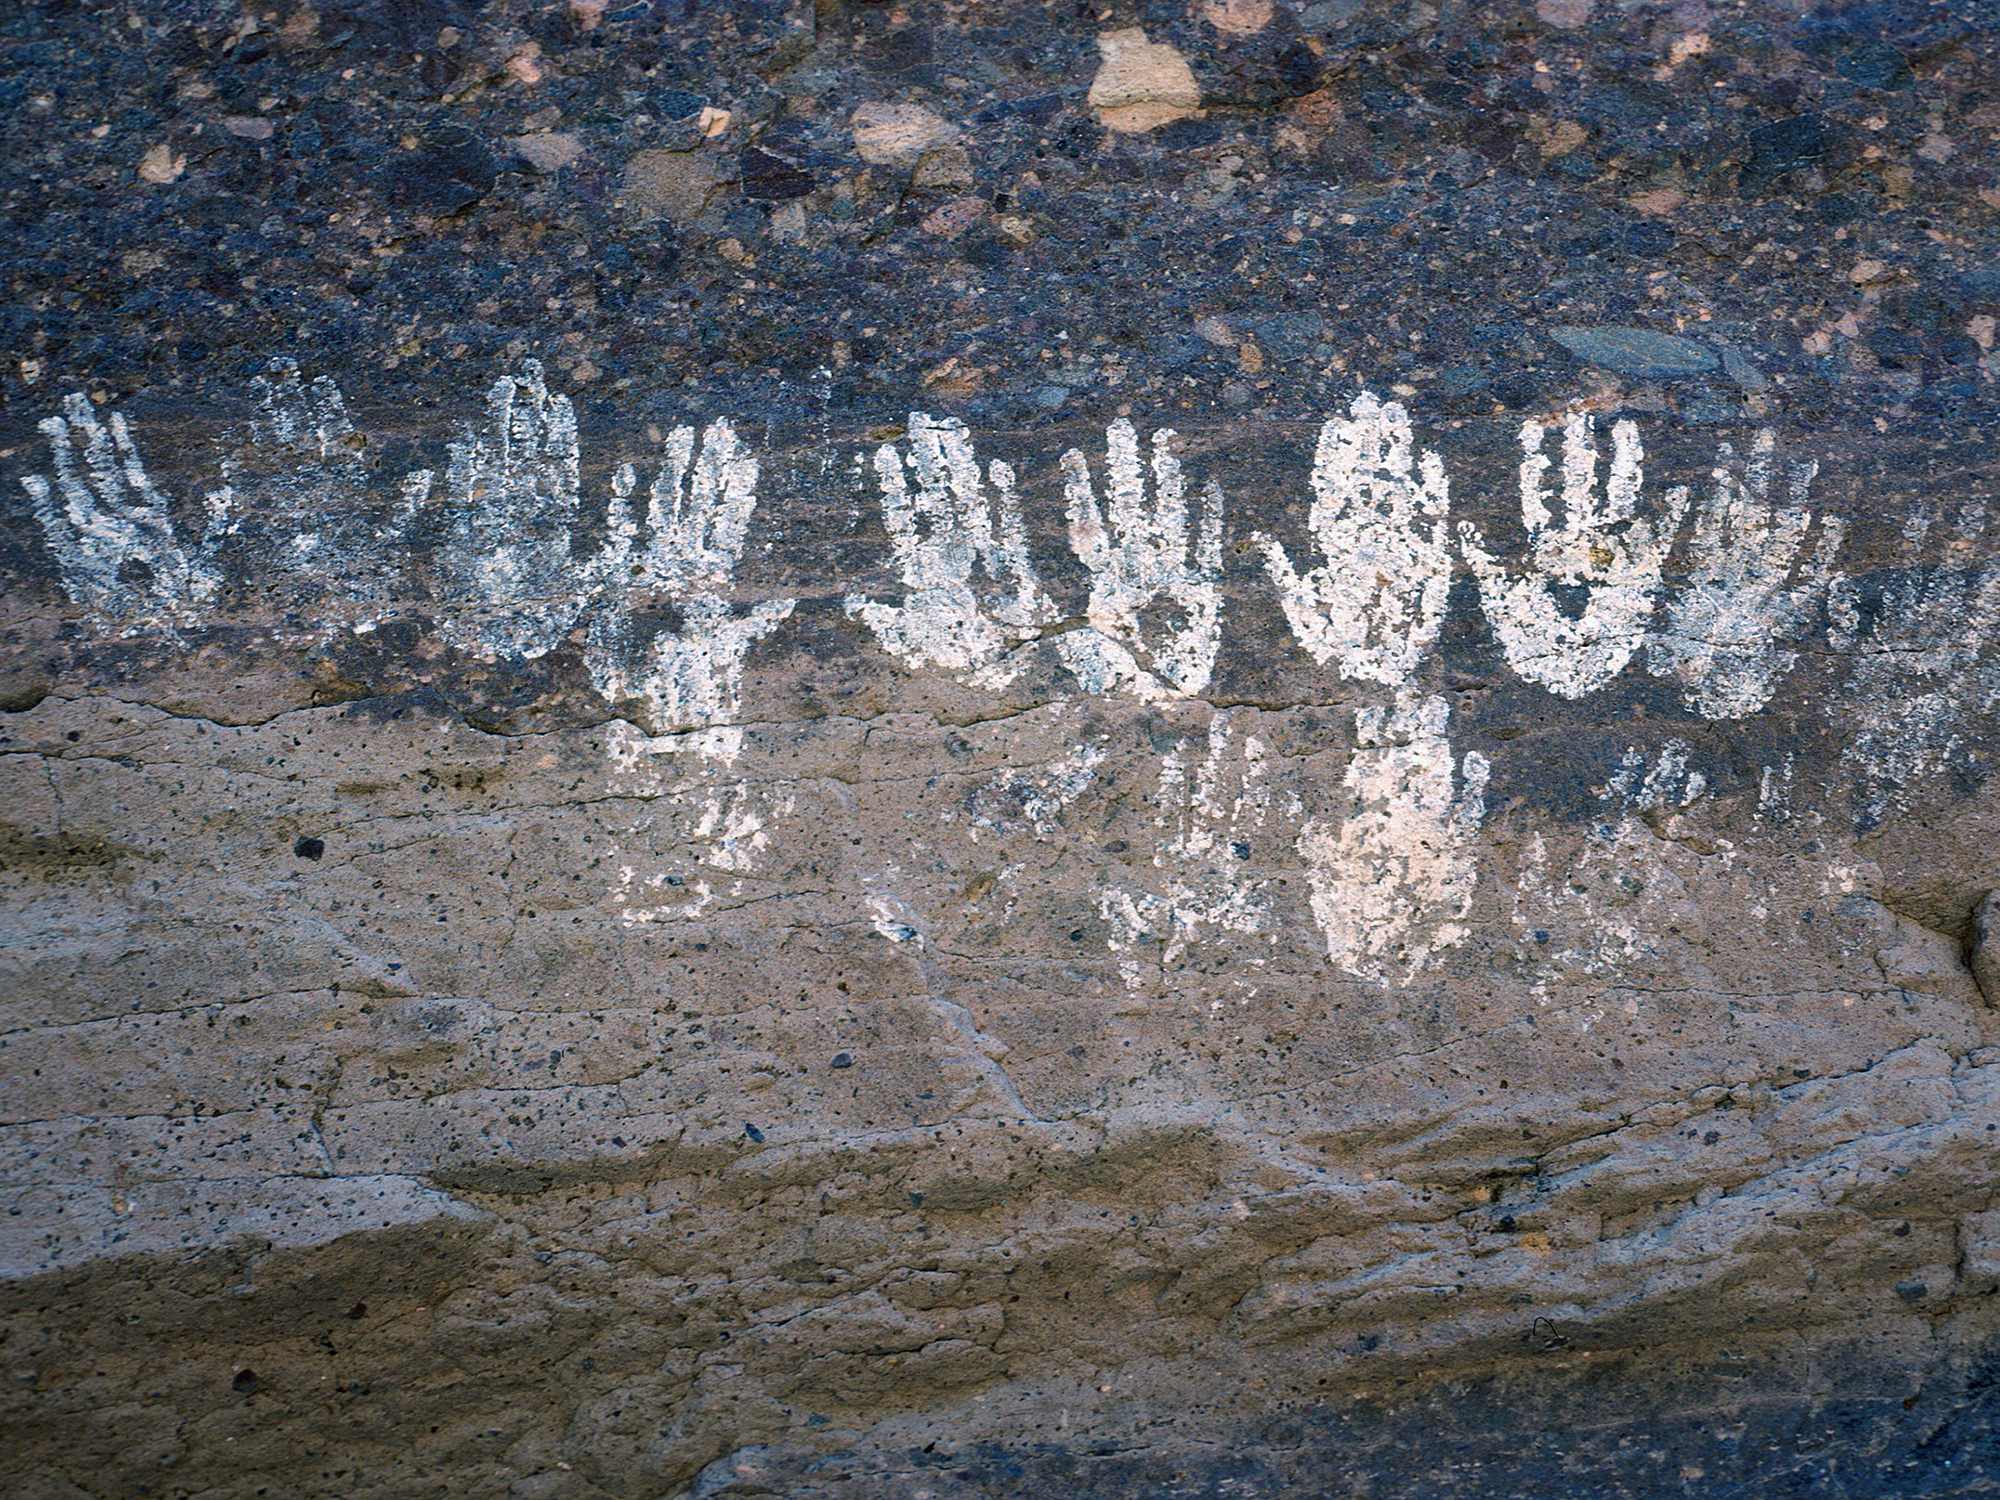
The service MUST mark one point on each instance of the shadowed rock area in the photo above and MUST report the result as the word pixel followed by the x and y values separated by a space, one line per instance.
pixel 947 751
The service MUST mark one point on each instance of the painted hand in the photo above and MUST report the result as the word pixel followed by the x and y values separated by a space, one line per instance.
pixel 1575 616
pixel 1378 601
pixel 698 511
pixel 108 526
pixel 512 495
pixel 970 602
pixel 1144 554
pixel 1747 586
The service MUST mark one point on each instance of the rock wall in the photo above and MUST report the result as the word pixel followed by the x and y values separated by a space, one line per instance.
pixel 967 752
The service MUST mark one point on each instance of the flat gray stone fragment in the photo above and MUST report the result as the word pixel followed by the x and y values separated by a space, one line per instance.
pixel 1636 351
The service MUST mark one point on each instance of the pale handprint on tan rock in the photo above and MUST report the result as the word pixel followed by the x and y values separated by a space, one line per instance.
pixel 1748 585
pixel 1378 514
pixel 698 510
pixel 1393 877
pixel 1144 553
pixel 1574 617
pixel 109 528
pixel 1211 820
pixel 971 602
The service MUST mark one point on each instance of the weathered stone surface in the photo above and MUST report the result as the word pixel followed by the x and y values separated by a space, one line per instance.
pixel 735 761
pixel 1637 351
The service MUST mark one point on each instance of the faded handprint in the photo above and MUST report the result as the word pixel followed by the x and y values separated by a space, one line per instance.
pixel 1378 601
pixel 942 534
pixel 1918 641
pixel 1748 585
pixel 1144 554
pixel 1614 902
pixel 1576 616
pixel 1393 879
pixel 698 511
pixel 1211 822
pixel 108 527
pixel 299 472
pixel 512 493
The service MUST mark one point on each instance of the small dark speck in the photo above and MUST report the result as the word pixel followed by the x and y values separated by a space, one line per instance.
pixel 309 848
pixel 1912 1291
pixel 74 735
pixel 1902 1231
pixel 618 1141
pixel 1240 850
pixel 1541 937
pixel 245 1382
pixel 752 1131
pixel 1710 1137
pixel 842 1060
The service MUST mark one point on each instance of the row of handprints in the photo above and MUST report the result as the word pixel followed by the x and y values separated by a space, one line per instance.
pixel 1390 854
pixel 1570 613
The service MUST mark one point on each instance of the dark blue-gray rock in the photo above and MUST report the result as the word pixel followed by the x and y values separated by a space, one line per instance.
pixel 1637 351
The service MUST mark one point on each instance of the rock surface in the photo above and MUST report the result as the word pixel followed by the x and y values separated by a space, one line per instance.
pixel 740 756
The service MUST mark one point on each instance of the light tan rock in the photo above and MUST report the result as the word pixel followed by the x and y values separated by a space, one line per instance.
pixel 1141 84
pixel 549 150
pixel 674 185
pixel 899 134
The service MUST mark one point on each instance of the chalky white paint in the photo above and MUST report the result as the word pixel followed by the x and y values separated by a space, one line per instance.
pixel 1774 791
pixel 109 529
pixel 1211 823
pixel 511 497
pixel 1038 793
pixel 1136 554
pixel 970 599
pixel 1377 602
pixel 1601 547
pixel 698 510
pixel 696 804
pixel 1393 877
pixel 1749 585
pixel 1666 782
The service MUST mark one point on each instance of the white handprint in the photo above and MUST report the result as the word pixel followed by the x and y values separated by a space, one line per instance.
pixel 1377 603
pixel 1393 879
pixel 512 490
pixel 1143 555
pixel 1742 593
pixel 1576 616
pixel 697 515
pixel 941 534
pixel 108 527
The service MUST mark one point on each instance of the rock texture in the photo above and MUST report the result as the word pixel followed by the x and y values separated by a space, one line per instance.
pixel 742 756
